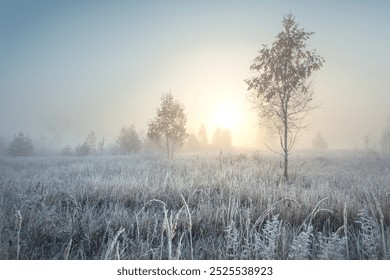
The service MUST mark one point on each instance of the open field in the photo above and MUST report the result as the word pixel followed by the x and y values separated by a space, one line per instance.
pixel 335 206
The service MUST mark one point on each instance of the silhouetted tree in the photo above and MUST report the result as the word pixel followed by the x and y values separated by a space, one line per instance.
pixel 82 150
pixel 222 138
pixel 88 147
pixel 67 151
pixel 319 143
pixel 128 140
pixel 202 135
pixel 21 145
pixel 282 92
pixel 90 141
pixel 168 127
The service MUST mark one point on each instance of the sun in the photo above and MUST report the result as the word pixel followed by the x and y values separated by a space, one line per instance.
pixel 226 116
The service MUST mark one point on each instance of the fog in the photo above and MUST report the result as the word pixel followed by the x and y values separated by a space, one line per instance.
pixel 71 68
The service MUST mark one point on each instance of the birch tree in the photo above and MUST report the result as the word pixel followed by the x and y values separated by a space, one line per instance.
pixel 169 126
pixel 282 90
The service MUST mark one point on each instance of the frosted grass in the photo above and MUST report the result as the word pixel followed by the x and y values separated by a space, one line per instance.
pixel 235 207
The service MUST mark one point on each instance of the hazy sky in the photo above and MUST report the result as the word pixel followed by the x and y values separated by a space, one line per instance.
pixel 69 67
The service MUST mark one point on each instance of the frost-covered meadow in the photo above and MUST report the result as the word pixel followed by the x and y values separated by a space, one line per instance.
pixel 234 206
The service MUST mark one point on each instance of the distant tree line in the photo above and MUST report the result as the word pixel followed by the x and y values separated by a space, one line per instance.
pixel 130 142
pixel 221 140
pixel 166 131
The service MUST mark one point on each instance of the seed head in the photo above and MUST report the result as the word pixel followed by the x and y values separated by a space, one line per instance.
pixel 18 220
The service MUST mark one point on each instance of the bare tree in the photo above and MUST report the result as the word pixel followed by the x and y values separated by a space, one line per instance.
pixel 128 140
pixel 168 127
pixel 282 92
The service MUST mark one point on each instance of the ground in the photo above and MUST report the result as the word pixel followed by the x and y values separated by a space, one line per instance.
pixel 336 205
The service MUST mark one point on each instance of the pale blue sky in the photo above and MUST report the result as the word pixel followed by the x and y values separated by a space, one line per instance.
pixel 69 67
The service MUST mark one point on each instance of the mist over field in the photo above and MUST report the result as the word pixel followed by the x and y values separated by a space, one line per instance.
pixel 71 68
pixel 204 130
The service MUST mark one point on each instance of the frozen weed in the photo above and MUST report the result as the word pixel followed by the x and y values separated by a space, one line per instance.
pixel 368 235
pixel 300 247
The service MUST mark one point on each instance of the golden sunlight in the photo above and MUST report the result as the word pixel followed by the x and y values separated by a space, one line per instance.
pixel 226 116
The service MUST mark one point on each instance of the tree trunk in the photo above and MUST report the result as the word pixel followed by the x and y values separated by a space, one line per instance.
pixel 167 146
pixel 285 174
pixel 173 145
pixel 285 148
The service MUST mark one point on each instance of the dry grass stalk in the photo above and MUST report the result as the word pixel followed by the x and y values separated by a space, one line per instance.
pixel 170 227
pixel 112 244
pixel 313 213
pixel 189 225
pixel 178 250
pixel 117 253
pixel 339 230
pixel 67 249
pixel 260 220
pixel 345 218
pixel 18 226
pixel 382 221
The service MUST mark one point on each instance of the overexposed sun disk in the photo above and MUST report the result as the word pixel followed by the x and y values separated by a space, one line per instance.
pixel 226 116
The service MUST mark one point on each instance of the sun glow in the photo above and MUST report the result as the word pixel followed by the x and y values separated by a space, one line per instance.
pixel 226 116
